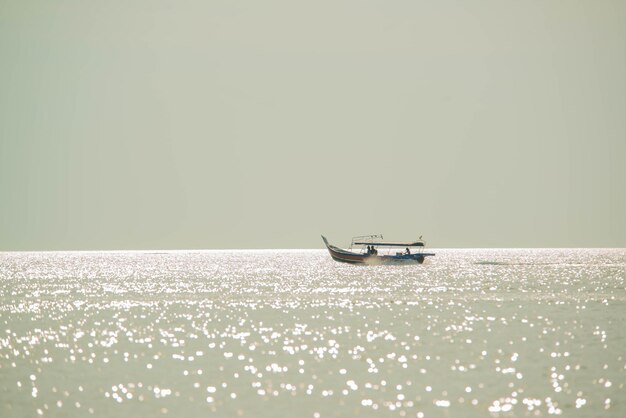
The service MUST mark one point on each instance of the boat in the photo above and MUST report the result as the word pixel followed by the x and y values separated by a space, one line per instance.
pixel 369 251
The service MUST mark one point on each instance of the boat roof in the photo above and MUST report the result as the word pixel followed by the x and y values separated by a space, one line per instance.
pixel 390 243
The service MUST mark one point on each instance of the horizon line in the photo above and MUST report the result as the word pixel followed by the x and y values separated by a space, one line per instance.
pixel 172 250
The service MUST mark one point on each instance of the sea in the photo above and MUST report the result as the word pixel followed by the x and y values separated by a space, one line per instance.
pixel 273 333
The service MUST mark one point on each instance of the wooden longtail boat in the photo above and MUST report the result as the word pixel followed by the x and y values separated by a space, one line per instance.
pixel 371 256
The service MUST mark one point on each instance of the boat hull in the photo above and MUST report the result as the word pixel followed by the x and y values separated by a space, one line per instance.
pixel 345 256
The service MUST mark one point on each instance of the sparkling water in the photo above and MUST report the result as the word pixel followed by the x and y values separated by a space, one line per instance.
pixel 293 333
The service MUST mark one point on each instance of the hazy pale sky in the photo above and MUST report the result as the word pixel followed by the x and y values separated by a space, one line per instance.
pixel 248 124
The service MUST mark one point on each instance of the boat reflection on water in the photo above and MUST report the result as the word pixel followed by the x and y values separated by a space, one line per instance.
pixel 368 252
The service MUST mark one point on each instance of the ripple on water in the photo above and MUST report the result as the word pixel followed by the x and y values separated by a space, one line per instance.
pixel 472 332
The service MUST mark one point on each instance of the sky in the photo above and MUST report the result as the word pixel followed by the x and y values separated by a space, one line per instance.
pixel 154 124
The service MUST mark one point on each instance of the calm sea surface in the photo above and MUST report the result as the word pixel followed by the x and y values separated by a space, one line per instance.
pixel 293 333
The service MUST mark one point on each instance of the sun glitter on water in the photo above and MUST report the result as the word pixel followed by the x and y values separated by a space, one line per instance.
pixel 267 333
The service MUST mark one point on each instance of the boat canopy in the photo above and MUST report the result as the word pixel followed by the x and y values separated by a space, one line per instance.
pixel 390 243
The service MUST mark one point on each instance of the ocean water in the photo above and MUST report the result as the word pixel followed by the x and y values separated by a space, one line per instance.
pixel 292 333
